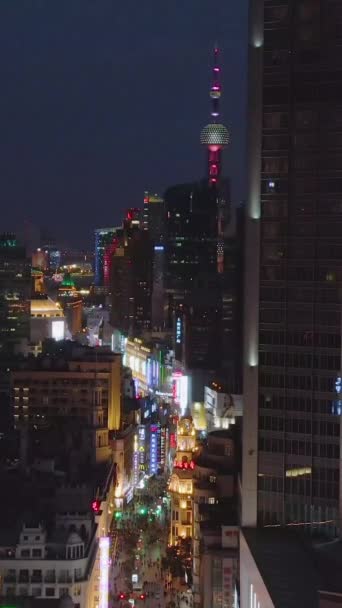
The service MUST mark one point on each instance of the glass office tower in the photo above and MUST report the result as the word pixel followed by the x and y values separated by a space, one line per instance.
pixel 293 298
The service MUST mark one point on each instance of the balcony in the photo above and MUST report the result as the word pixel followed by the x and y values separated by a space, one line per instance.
pixel 23 578
pixel 10 578
pixel 50 578
pixel 36 578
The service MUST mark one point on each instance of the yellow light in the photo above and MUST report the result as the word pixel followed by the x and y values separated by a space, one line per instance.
pixel 298 472
pixel 183 504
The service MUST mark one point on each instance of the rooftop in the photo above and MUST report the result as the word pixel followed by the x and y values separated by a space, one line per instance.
pixel 57 356
pixel 295 568
pixel 45 306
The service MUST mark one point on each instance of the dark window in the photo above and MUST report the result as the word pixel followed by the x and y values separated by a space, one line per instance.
pixel 50 592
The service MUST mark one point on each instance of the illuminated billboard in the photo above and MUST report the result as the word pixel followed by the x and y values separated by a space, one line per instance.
pixel 180 390
pixel 57 330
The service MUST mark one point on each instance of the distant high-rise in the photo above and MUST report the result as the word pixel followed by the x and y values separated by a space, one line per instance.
pixel 154 216
pixel 153 221
pixel 292 360
pixel 15 293
pixel 104 238
pixel 131 282
pixel 194 287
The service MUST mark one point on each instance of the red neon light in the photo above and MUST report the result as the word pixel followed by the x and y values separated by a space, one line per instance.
pixel 184 465
pixel 107 261
pixel 174 390
pixel 95 505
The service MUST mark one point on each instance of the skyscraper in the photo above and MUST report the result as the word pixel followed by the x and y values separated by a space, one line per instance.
pixel 153 218
pixel 104 238
pixel 15 293
pixel 292 355
pixel 131 286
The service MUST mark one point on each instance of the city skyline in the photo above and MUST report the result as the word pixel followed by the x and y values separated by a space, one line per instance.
pixel 88 92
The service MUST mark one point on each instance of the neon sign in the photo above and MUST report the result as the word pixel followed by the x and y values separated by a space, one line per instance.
pixel 179 330
pixel 104 571
pixel 154 448
pixel 95 505
pixel 178 464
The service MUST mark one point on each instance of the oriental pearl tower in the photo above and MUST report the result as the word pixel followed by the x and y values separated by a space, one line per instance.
pixel 215 136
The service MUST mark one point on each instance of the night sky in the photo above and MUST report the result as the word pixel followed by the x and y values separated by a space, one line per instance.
pixel 101 99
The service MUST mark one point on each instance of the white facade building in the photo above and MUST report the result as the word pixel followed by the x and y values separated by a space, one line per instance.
pixel 47 320
pixel 66 561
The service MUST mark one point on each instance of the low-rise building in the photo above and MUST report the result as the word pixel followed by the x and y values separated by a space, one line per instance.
pixel 181 482
pixel 47 320
pixel 214 502
pixel 219 566
pixel 56 550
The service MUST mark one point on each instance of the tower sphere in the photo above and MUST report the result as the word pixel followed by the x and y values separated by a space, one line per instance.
pixel 215 135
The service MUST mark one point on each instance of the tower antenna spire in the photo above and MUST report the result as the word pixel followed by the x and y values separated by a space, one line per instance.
pixel 215 89
pixel 215 135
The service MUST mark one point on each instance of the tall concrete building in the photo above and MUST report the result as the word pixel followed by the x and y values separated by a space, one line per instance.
pixel 292 355
pixel 68 399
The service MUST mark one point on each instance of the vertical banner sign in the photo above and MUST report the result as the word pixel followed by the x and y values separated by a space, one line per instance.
pixel 104 571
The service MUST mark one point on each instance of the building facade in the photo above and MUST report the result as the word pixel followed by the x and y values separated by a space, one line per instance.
pixel 181 482
pixel 153 216
pixel 131 282
pixel 47 320
pixel 68 556
pixel 15 294
pixel 104 238
pixel 150 365
pixel 292 355
pixel 48 391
